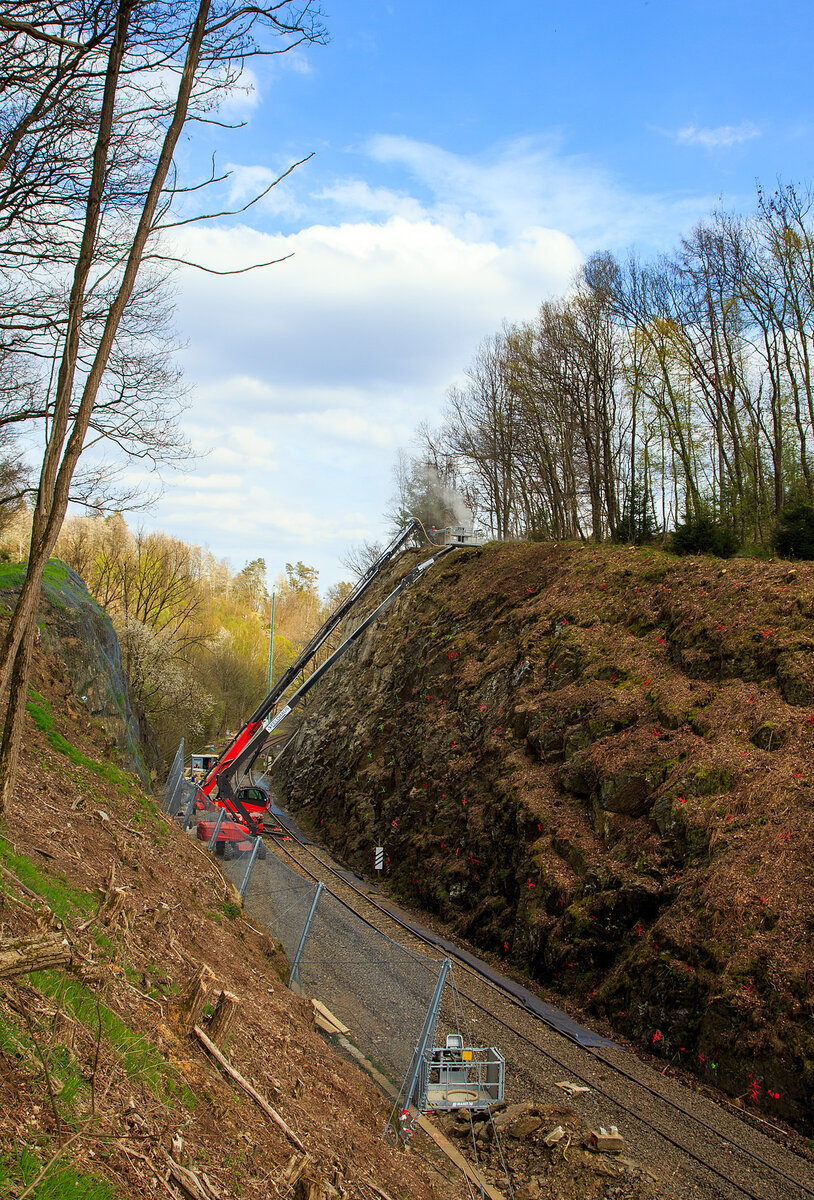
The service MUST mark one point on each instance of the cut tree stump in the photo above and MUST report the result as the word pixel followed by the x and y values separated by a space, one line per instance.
pixel 224 1018
pixel 189 1005
pixel 113 906
pixel 311 1187
pixel 39 953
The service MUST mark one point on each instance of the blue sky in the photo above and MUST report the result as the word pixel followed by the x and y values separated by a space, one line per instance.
pixel 466 158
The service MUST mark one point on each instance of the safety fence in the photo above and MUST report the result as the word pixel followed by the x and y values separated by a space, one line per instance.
pixel 388 996
pixel 179 792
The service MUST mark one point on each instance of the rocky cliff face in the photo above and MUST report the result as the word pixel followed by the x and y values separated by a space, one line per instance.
pixel 76 628
pixel 597 764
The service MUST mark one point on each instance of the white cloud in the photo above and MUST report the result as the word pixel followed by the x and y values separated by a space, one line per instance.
pixel 248 181
pixel 310 373
pixel 298 62
pixel 355 195
pixel 350 427
pixel 717 138
pixel 360 305
pixel 243 97
pixel 532 182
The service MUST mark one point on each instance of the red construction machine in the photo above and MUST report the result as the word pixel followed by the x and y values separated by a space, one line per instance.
pixel 229 783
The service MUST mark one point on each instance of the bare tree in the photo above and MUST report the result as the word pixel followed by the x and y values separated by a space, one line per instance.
pixel 480 437
pixel 360 556
pixel 126 192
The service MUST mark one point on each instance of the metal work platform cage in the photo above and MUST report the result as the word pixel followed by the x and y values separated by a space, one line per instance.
pixel 458 535
pixel 454 1076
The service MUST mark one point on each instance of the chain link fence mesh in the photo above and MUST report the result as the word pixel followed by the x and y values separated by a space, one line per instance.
pixel 282 899
pixel 376 987
pixel 176 774
pixel 379 989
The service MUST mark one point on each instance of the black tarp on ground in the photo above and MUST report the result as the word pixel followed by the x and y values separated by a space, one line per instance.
pixel 546 1012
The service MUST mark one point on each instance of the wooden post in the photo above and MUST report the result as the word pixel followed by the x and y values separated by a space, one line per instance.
pixel 223 1018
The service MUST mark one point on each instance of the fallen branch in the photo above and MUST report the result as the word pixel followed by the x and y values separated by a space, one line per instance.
pixel 192 1183
pixel 130 1154
pixel 23 954
pixel 273 1115
pixel 18 882
pixel 373 1187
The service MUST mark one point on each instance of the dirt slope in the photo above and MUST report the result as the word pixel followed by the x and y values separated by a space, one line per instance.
pixel 94 1058
pixel 597 764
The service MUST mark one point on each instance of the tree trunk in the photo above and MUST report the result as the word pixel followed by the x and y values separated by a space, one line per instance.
pixel 224 1018
pixel 56 476
pixel 40 953
pixel 15 713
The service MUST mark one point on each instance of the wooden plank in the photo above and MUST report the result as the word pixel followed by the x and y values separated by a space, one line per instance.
pixel 460 1162
pixel 326 1026
pixel 328 1015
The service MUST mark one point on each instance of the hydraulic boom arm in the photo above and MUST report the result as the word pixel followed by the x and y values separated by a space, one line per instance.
pixel 223 779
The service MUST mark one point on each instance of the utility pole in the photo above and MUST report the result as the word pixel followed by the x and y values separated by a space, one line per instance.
pixel 271 642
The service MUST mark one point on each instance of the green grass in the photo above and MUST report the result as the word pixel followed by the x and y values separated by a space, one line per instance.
pixel 141 1061
pixel 58 894
pixel 55 572
pixel 61 1183
pixel 13 574
pixel 40 712
pixel 16 1042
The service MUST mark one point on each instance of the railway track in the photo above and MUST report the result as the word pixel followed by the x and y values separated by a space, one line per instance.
pixel 696 1147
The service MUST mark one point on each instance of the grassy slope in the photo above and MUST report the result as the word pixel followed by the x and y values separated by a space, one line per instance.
pixel 92 1059
pixel 597 764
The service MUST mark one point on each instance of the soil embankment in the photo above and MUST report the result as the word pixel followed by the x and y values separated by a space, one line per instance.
pixel 103 1088
pixel 596 763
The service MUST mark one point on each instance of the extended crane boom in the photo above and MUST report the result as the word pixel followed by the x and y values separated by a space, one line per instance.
pixel 222 781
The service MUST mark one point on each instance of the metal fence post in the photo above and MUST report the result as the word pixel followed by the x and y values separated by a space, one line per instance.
pixel 392 1130
pixel 190 808
pixel 295 965
pixel 252 857
pixel 175 767
pixel 216 830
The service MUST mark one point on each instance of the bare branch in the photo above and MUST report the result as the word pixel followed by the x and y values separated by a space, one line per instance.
pixel 234 212
pixel 39 35
pixel 211 270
